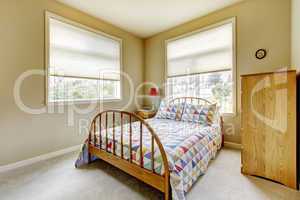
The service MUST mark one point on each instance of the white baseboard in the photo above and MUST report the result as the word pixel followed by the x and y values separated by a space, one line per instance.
pixel 36 159
pixel 233 145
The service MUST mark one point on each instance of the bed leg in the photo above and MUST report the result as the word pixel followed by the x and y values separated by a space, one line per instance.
pixel 89 156
pixel 222 131
pixel 88 147
pixel 167 193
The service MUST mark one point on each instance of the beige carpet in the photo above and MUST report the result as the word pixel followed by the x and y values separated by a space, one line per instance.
pixel 57 179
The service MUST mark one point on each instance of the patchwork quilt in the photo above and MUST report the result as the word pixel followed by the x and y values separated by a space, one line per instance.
pixel 189 148
pixel 170 111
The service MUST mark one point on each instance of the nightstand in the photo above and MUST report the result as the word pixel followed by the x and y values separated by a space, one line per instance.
pixel 145 114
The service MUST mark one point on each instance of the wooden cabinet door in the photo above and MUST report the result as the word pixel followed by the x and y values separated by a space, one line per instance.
pixel 269 126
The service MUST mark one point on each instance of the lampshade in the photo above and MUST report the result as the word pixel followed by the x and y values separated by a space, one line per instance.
pixel 153 92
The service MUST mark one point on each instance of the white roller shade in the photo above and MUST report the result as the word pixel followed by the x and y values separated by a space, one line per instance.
pixel 77 52
pixel 206 51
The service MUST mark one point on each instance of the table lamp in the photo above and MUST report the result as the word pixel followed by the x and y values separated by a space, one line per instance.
pixel 154 96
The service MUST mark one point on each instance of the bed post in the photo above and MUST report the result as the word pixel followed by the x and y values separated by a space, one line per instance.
pixel 88 146
pixel 167 186
pixel 222 130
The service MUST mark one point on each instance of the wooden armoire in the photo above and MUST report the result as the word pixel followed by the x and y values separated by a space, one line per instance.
pixel 269 126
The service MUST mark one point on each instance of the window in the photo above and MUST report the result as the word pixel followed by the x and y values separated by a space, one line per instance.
pixel 83 64
pixel 202 64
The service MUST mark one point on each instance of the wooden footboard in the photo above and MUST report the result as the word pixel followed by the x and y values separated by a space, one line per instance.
pixel 160 182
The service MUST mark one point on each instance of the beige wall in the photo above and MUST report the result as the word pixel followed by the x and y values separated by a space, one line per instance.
pixel 296 33
pixel 22 135
pixel 260 24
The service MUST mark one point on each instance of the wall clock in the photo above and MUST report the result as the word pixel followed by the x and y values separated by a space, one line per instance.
pixel 261 54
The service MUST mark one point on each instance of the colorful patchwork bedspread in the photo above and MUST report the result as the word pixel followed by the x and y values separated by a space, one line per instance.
pixel 189 148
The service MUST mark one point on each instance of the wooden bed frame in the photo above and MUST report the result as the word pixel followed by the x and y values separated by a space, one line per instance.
pixel 150 177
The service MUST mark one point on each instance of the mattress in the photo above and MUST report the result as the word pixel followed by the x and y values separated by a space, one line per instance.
pixel 189 148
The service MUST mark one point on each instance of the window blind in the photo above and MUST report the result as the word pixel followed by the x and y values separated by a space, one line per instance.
pixel 206 51
pixel 80 53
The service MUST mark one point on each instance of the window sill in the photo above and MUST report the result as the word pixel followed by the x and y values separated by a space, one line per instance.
pixel 82 102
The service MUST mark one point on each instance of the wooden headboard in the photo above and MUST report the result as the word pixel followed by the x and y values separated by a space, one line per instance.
pixel 196 100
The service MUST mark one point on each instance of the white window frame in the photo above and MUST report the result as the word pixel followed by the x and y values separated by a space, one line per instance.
pixel 49 15
pixel 234 58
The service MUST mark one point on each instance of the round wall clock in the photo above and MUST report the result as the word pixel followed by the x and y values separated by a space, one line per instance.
pixel 261 54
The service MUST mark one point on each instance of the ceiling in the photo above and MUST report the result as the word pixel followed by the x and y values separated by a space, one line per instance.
pixel 145 18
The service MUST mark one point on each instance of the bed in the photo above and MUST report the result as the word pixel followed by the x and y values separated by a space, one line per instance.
pixel 164 152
